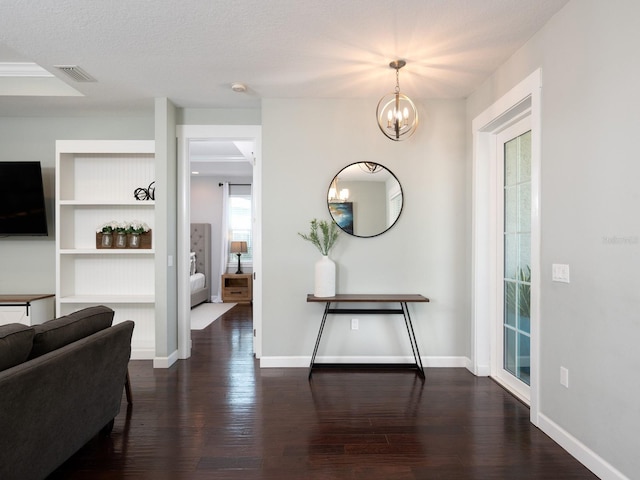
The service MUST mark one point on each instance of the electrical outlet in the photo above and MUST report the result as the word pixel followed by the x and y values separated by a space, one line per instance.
pixel 560 273
pixel 564 377
pixel 354 324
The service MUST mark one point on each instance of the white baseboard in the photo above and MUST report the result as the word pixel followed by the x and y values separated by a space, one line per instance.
pixel 165 362
pixel 284 362
pixel 580 451
pixel 303 361
pixel 142 353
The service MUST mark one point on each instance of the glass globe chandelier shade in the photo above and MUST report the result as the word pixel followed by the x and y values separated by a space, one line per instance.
pixel 397 114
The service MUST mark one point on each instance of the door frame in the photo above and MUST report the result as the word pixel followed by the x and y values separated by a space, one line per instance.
pixel 185 134
pixel 521 101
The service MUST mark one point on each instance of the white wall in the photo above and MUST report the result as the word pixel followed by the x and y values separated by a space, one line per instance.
pixel 590 220
pixel 305 143
pixel 27 265
pixel 165 244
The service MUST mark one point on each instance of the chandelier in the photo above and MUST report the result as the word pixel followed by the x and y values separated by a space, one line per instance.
pixel 370 167
pixel 337 195
pixel 396 113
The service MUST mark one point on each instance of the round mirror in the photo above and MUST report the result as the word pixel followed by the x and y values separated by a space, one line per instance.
pixel 365 199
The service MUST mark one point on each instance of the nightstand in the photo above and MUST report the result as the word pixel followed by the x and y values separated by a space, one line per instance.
pixel 237 288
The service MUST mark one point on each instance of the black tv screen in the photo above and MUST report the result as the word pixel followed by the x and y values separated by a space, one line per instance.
pixel 22 206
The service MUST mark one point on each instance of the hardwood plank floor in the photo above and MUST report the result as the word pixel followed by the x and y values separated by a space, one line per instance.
pixel 219 416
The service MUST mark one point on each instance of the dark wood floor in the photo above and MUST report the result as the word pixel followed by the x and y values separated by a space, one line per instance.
pixel 218 416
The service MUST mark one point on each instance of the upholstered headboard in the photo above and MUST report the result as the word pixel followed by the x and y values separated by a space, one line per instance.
pixel 201 244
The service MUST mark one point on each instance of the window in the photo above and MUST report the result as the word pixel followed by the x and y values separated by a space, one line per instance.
pixel 240 220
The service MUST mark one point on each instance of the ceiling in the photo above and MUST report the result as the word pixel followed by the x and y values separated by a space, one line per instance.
pixel 192 51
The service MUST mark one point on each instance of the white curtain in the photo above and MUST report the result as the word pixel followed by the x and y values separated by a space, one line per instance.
pixel 224 238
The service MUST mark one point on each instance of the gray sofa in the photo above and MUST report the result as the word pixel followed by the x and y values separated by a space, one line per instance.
pixel 61 383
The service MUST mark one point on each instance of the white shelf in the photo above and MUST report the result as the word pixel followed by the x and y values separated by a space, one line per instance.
pixel 107 251
pixel 95 184
pixel 108 203
pixel 108 299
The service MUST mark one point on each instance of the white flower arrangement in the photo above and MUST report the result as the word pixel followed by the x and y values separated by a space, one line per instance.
pixel 108 227
pixel 137 227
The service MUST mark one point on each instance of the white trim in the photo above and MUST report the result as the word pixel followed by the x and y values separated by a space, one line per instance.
pixel 304 361
pixel 23 69
pixel 579 450
pixel 165 362
pixel 184 134
pixel 143 353
pixel 523 98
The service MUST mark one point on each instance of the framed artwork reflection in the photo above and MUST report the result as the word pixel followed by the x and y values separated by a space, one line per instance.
pixel 342 214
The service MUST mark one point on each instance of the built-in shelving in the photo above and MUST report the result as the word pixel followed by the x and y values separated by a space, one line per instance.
pixel 95 184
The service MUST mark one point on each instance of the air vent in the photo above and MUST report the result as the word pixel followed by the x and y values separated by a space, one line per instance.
pixel 76 73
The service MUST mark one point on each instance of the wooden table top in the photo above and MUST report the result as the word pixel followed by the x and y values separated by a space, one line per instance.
pixel 369 297
pixel 24 298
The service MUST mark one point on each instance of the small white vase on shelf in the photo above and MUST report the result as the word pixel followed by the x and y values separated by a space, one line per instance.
pixel 325 277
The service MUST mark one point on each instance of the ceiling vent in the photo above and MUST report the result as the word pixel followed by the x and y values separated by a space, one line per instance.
pixel 76 73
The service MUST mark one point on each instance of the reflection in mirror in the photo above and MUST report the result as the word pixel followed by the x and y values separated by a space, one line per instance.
pixel 365 199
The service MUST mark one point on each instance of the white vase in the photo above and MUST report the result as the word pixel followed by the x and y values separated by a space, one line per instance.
pixel 325 277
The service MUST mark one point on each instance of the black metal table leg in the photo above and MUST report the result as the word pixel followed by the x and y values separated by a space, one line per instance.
pixel 412 338
pixel 315 349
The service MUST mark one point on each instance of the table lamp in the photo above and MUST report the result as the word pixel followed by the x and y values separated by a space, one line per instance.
pixel 239 248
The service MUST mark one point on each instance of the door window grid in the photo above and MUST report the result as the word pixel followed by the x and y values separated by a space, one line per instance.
pixel 517 256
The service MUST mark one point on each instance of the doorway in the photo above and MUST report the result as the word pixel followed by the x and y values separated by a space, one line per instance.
pixel 250 137
pixel 493 285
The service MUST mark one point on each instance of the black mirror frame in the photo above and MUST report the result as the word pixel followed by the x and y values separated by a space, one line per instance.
pixel 365 236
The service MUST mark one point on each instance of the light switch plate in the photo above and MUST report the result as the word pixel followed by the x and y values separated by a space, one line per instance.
pixel 560 273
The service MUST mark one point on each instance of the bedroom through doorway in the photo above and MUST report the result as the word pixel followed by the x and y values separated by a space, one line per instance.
pixel 218 171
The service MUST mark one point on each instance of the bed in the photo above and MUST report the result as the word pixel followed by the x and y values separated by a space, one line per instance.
pixel 200 263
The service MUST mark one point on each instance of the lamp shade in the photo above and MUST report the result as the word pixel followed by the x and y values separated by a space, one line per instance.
pixel 238 247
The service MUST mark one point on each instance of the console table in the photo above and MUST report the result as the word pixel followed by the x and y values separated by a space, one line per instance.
pixel 401 299
pixel 29 309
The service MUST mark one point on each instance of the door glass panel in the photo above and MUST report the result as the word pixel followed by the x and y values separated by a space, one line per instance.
pixel 517 257
pixel 511 256
pixel 524 207
pixel 510 163
pixel 524 360
pixel 510 350
pixel 523 254
pixel 523 296
pixel 524 161
pixel 510 303
pixel 511 223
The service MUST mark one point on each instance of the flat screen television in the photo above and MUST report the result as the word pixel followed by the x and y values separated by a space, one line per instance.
pixel 22 205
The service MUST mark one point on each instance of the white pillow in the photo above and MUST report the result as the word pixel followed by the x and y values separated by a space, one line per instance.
pixel 192 267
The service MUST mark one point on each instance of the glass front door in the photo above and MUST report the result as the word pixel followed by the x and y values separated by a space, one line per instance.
pixel 512 361
pixel 517 257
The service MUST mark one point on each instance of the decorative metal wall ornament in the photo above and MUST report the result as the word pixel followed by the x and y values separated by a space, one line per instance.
pixel 396 113
pixel 148 193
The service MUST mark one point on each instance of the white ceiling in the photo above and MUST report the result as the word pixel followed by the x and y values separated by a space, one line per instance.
pixel 191 51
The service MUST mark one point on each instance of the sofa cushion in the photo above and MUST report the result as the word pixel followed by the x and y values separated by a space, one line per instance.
pixel 62 331
pixel 16 341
